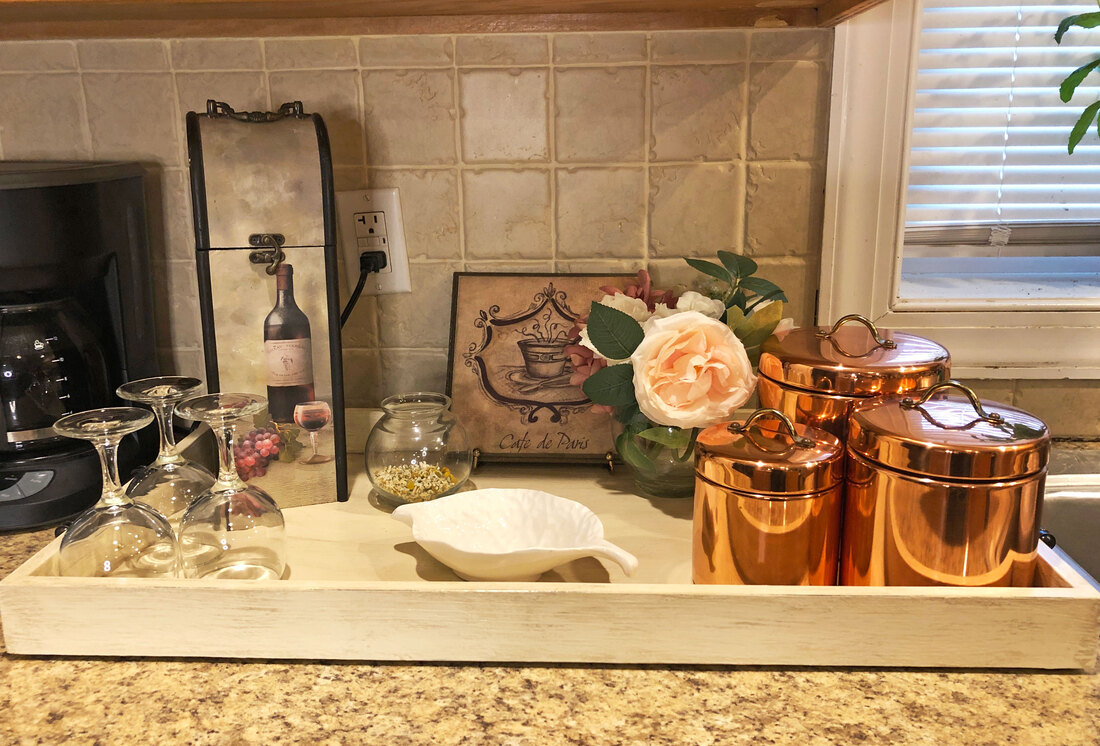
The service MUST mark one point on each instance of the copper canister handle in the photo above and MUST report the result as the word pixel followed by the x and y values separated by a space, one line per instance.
pixel 886 344
pixel 908 403
pixel 741 427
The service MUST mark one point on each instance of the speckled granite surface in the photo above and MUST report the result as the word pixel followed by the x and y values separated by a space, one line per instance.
pixel 75 701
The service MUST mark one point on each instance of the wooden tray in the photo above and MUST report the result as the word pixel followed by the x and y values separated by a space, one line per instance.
pixel 359 589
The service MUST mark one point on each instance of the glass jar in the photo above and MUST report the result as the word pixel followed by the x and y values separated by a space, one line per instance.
pixel 418 450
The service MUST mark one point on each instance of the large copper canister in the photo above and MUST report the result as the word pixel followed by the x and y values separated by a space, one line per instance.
pixel 768 500
pixel 814 375
pixel 944 490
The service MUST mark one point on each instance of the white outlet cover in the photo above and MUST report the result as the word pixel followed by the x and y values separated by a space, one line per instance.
pixel 394 278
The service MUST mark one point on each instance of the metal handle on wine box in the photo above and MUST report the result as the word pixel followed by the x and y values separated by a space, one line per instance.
pixel 272 255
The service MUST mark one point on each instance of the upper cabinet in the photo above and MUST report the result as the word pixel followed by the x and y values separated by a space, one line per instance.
pixel 42 19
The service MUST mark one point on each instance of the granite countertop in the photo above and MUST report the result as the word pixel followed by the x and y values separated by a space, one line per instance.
pixel 76 701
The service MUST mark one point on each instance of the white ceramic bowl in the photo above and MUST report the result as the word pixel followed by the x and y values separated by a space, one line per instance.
pixel 508 534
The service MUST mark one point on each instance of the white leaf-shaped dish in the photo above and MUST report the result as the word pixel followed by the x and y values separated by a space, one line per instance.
pixel 508 534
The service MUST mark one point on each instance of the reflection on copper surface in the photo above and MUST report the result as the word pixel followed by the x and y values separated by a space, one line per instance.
pixel 744 538
pixel 824 411
pixel 907 530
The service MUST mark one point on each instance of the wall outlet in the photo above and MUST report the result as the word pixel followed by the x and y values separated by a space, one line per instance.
pixel 370 220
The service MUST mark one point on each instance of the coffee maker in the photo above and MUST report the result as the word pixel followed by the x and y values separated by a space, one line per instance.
pixel 76 320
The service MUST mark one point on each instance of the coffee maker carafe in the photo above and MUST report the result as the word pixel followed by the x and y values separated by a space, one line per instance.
pixel 75 322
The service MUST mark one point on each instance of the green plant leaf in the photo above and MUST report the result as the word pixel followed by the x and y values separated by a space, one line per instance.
pixel 1082 125
pixel 738 265
pixel 614 333
pixel 1084 20
pixel 1069 85
pixel 716 271
pixel 763 287
pixel 677 438
pixel 612 386
pixel 627 413
pixel 760 325
pixel 632 454
pixel 734 318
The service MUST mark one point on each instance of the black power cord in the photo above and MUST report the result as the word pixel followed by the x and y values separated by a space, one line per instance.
pixel 369 261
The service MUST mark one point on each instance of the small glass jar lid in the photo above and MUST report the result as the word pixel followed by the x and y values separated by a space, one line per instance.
pixel 950 434
pixel 770 455
pixel 854 359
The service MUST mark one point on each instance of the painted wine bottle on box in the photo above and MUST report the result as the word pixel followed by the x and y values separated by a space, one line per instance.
pixel 265 237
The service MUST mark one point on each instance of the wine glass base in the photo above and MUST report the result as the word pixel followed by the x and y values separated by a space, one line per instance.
pixel 243 572
pixel 318 459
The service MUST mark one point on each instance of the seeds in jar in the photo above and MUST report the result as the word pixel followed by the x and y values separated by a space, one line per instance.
pixel 415 482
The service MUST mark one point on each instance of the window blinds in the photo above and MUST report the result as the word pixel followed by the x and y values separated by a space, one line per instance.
pixel 988 146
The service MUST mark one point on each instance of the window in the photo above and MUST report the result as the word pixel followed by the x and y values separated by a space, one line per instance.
pixel 952 209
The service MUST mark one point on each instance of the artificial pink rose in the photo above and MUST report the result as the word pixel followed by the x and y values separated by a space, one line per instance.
pixel 690 371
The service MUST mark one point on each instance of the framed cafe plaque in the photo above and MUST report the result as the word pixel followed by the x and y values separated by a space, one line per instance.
pixel 509 375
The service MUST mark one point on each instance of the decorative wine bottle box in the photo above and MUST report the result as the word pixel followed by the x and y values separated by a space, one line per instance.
pixel 263 202
pixel 359 588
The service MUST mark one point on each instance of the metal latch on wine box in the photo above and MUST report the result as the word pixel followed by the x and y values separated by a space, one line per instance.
pixel 265 244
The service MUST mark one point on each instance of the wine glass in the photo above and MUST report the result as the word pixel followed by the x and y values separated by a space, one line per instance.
pixel 171 482
pixel 232 530
pixel 116 537
pixel 312 416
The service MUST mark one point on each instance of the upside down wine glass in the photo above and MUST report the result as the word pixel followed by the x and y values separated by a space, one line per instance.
pixel 116 537
pixel 232 530
pixel 171 482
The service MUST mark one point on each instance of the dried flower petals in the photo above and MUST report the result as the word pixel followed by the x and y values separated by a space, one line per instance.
pixel 415 482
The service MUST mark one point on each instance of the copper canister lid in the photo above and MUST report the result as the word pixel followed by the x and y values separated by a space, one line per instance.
pixel 854 359
pixel 950 434
pixel 768 454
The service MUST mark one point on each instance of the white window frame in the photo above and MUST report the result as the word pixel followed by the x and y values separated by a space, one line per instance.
pixel 866 178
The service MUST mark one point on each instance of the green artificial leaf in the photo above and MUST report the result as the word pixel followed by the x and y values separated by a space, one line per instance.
pixel 612 386
pixel 614 333
pixel 710 268
pixel 759 326
pixel 632 454
pixel 735 317
pixel 675 438
pixel 763 288
pixel 1082 125
pixel 1084 20
pixel 1069 85
pixel 628 413
pixel 739 266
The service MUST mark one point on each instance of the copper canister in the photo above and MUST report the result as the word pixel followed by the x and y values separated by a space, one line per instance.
pixel 814 375
pixel 944 490
pixel 768 499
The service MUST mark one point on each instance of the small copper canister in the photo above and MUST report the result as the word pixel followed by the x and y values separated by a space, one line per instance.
pixel 768 500
pixel 944 490
pixel 814 375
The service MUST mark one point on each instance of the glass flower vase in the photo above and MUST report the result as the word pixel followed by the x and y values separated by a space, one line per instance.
pixel 661 461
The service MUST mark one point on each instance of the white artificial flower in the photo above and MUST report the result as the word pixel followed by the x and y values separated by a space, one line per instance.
pixel 662 311
pixel 693 301
pixel 635 308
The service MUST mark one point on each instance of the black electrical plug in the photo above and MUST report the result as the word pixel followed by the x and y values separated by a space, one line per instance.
pixel 369 261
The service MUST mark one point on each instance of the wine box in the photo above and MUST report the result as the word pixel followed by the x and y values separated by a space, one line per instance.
pixel 359 588
pixel 265 238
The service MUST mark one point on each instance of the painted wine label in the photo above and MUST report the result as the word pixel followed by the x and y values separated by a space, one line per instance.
pixel 289 362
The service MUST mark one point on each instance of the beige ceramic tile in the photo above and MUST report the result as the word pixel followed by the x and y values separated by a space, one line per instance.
pixel 697 112
pixel 695 210
pixel 361 329
pixel 600 114
pixel 600 266
pixel 299 54
pixel 334 94
pixel 699 46
pixel 122 54
pixel 182 362
pixel 502 49
pixel 362 377
pixel 784 204
pixel 675 274
pixel 169 206
pixel 429 205
pixel 798 276
pixel 504 115
pixel 37 56
pixel 420 318
pixel 217 54
pixel 406 51
pixel 177 305
pixel 788 110
pixel 244 91
pixel 42 117
pixel 597 48
pixel 507 214
pixel 991 390
pixel 601 213
pixel 134 116
pixel 410 117
pixel 412 370
pixel 792 44
pixel 349 177
pixel 1070 408
pixel 543 267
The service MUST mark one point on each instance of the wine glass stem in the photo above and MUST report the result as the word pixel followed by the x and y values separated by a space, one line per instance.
pixel 113 494
pixel 313 441
pixel 227 467
pixel 168 453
